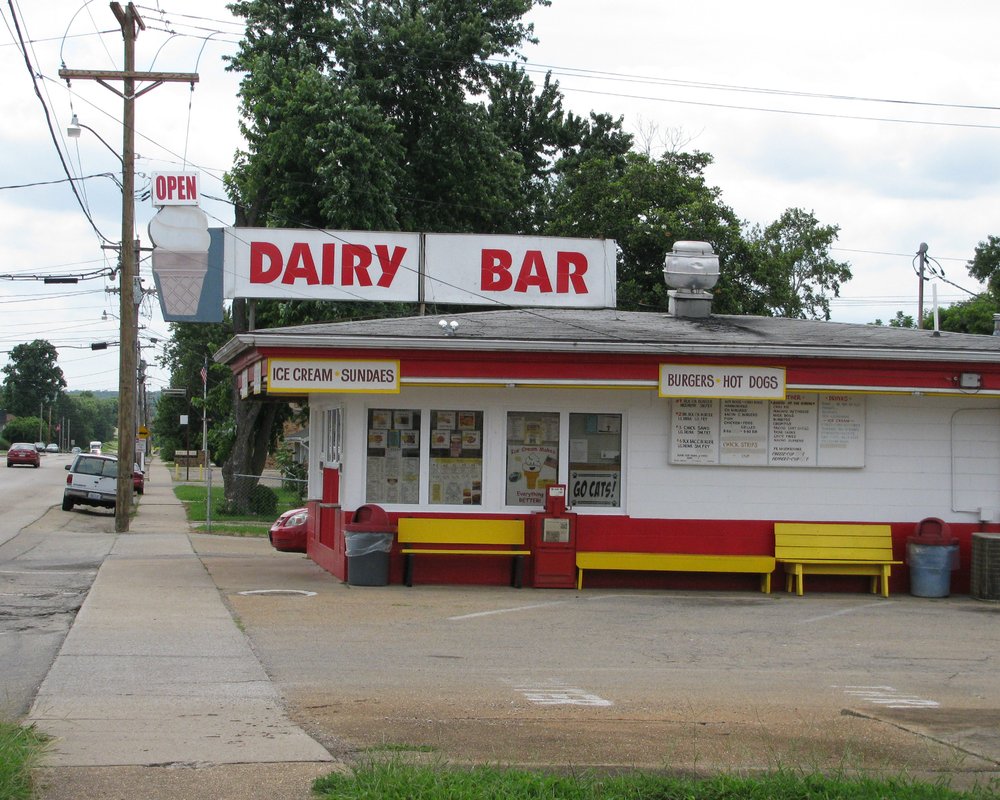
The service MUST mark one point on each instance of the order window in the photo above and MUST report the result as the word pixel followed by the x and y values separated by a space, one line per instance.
pixel 595 460
pixel 456 458
pixel 393 462
pixel 532 456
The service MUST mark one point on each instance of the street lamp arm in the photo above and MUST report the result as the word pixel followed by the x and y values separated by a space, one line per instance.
pixel 73 132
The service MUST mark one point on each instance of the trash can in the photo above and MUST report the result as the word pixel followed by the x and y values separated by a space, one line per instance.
pixel 368 541
pixel 932 555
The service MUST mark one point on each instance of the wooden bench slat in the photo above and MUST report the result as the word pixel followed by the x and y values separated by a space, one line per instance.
pixel 429 530
pixel 675 562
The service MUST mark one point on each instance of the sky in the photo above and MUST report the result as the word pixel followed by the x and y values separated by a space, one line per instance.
pixel 875 116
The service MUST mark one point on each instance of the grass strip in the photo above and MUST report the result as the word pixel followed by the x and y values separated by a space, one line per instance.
pixel 397 780
pixel 193 497
pixel 20 749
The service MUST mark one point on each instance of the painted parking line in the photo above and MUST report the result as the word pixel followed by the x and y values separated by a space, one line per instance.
pixel 556 693
pixel 511 610
pixel 888 697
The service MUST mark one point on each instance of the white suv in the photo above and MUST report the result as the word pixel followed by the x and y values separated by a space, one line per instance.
pixel 92 481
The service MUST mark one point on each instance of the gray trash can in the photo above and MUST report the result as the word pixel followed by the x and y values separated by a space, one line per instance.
pixel 368 558
pixel 368 541
pixel 932 555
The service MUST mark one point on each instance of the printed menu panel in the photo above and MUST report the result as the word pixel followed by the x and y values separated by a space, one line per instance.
pixel 803 430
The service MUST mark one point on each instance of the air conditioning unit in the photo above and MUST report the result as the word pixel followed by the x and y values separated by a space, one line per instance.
pixel 985 578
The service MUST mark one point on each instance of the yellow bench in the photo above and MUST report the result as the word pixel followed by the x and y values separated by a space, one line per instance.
pixel 826 548
pixel 462 537
pixel 675 562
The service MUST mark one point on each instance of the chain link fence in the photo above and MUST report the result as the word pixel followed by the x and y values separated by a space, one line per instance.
pixel 252 499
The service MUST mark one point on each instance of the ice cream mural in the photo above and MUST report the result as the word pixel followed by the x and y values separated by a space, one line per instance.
pixel 533 468
pixel 180 258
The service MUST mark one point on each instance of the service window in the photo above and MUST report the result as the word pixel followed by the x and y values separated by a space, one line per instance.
pixel 595 460
pixel 456 458
pixel 393 463
pixel 532 456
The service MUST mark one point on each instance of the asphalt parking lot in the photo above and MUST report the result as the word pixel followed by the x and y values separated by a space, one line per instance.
pixel 683 681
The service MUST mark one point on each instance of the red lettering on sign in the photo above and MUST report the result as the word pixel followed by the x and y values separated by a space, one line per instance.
pixel 533 273
pixel 389 263
pixel 189 189
pixel 259 273
pixel 570 269
pixel 300 266
pixel 496 271
pixel 356 259
pixel 303 265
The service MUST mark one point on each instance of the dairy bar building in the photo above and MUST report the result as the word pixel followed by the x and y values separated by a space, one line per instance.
pixel 632 433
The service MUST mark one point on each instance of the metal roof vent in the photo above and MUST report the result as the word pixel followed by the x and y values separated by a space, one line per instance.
pixel 690 269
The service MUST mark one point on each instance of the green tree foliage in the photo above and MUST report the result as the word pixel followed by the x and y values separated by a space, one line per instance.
pixel 985 264
pixel 794 250
pixel 970 316
pixel 22 429
pixel 32 379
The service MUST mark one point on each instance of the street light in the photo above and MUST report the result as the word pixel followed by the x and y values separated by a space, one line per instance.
pixel 73 132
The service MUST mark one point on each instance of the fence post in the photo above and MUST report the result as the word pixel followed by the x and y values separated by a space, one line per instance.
pixel 208 499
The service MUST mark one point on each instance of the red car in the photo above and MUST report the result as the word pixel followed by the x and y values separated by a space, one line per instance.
pixel 288 533
pixel 25 454
pixel 138 480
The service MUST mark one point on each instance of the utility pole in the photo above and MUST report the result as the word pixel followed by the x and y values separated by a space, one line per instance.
pixel 922 256
pixel 129 288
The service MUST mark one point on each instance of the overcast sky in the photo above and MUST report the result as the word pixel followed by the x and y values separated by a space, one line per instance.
pixel 877 116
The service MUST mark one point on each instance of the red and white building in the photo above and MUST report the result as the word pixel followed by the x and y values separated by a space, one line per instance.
pixel 671 434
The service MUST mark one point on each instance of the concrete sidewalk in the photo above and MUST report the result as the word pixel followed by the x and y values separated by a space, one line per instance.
pixel 156 673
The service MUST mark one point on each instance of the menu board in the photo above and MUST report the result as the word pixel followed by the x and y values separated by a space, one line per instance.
pixel 803 430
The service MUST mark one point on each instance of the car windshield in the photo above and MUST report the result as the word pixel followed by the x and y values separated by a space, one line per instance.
pixel 105 467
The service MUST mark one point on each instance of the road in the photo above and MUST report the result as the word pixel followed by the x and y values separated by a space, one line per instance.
pixel 48 560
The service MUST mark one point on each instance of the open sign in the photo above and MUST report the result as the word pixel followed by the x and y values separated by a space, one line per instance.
pixel 175 189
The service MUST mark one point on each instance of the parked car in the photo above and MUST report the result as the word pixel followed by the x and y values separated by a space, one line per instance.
pixel 75 450
pixel 92 481
pixel 23 454
pixel 52 447
pixel 138 479
pixel 40 447
pixel 288 533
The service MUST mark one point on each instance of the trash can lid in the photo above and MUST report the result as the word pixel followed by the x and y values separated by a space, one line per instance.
pixel 932 531
pixel 371 513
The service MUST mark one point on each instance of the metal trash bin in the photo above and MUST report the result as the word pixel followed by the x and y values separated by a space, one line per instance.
pixel 368 540
pixel 932 555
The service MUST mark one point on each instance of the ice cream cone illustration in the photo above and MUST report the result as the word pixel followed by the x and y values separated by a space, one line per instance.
pixel 531 465
pixel 180 256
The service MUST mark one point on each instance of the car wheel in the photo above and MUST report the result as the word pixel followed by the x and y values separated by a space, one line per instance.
pixel 67 504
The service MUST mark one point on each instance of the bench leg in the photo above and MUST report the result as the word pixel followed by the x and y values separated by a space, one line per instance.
pixel 517 572
pixel 885 580
pixel 579 579
pixel 408 569
pixel 765 583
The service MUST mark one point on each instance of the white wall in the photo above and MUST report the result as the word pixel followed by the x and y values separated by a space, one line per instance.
pixel 911 444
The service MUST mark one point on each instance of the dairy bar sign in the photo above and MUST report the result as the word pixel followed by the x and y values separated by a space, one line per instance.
pixel 412 267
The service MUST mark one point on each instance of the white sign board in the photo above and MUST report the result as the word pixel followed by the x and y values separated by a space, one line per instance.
pixel 803 430
pixel 520 271
pixel 709 380
pixel 321 265
pixel 386 267
pixel 307 375
pixel 174 189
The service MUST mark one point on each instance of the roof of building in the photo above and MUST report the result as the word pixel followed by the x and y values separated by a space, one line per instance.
pixel 613 331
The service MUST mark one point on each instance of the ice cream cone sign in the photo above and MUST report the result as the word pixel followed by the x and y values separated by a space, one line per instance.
pixel 180 257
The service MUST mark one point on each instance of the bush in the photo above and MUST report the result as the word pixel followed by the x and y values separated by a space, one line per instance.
pixel 263 501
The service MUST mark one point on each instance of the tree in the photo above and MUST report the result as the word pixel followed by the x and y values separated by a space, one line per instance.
pixel 22 429
pixel 32 378
pixel 985 264
pixel 795 250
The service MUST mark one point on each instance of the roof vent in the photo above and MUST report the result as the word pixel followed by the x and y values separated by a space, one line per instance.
pixel 689 270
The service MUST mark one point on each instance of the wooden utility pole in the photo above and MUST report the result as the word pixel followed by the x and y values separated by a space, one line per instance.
pixel 130 289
